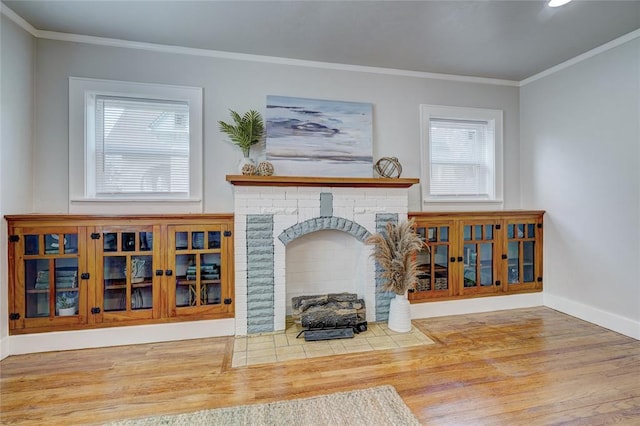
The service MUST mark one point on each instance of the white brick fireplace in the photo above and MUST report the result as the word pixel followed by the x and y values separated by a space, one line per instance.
pixel 270 212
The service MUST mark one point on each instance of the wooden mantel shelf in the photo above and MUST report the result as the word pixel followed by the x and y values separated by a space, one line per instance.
pixel 252 180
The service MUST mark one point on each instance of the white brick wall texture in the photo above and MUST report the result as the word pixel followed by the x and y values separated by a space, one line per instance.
pixel 292 205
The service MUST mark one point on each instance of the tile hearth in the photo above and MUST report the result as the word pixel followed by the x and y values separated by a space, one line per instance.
pixel 284 346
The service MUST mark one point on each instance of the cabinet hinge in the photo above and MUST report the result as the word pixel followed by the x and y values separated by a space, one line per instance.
pixel 95 310
pixel 95 236
pixel 228 301
pixel 14 238
pixel 14 316
pixel 227 233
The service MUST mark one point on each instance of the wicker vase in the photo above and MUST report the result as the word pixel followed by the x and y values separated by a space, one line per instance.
pixel 400 314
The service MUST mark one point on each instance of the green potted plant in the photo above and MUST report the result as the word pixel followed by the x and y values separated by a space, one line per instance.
pixel 395 251
pixel 246 131
pixel 66 303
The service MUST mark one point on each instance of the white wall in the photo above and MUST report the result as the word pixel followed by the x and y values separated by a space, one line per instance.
pixel 242 85
pixel 580 161
pixel 16 108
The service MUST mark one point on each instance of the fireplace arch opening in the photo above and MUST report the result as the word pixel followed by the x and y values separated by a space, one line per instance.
pixel 325 261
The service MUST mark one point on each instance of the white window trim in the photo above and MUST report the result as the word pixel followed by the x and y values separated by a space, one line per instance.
pixel 460 203
pixel 79 202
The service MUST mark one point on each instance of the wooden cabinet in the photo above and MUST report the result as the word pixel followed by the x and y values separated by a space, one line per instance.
pixel 72 272
pixel 475 254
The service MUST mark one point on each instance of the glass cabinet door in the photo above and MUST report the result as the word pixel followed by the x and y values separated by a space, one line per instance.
pixel 434 278
pixel 196 256
pixel 479 257
pixel 128 284
pixel 48 276
pixel 522 249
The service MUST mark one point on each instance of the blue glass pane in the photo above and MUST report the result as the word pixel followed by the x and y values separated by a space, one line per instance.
pixel 513 262
pixel 146 241
pixel 441 263
pixel 70 243
pixel 31 244
pixel 486 264
pixel 477 232
pixel 488 232
pixel 470 257
pixel 528 252
pixel 467 232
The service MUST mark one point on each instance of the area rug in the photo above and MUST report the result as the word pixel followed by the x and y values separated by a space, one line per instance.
pixel 374 406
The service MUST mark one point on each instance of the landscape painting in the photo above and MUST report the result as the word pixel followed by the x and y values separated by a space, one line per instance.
pixel 312 137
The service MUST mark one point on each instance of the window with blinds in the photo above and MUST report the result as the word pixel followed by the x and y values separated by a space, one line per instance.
pixel 461 157
pixel 141 147
pixel 461 154
pixel 134 147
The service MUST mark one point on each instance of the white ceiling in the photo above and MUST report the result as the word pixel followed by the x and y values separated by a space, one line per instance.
pixel 509 40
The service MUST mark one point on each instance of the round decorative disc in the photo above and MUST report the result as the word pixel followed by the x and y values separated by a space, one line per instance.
pixel 388 167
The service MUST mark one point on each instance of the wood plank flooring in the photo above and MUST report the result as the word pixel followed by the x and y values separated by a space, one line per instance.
pixel 526 366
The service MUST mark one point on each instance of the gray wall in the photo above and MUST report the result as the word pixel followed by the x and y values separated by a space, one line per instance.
pixel 580 158
pixel 16 107
pixel 243 85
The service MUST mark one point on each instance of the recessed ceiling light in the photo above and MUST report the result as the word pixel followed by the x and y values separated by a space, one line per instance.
pixel 556 3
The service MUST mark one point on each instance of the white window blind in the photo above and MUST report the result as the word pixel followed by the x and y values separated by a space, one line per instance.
pixel 461 157
pixel 141 147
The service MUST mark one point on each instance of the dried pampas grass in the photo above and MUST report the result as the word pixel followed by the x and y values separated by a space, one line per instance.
pixel 395 251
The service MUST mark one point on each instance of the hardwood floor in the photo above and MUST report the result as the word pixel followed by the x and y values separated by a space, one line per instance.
pixel 526 366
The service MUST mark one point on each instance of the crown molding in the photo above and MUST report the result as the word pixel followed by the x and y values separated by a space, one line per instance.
pixel 590 54
pixel 153 47
pixel 77 38
pixel 18 20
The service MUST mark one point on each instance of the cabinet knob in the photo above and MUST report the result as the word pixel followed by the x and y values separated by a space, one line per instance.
pixel 460 259
pixel 168 272
pixel 159 272
pixel 452 259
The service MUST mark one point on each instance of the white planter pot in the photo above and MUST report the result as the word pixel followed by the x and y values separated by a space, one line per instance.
pixel 66 312
pixel 246 166
pixel 400 314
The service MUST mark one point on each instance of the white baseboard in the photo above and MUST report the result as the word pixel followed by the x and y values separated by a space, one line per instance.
pixel 3 348
pixel 476 305
pixel 116 336
pixel 605 319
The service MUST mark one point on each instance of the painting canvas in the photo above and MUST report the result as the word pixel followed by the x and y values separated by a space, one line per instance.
pixel 312 137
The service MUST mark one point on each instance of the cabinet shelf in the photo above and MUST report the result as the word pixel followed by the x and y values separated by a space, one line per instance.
pixel 194 282
pixel 46 290
pixel 124 285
